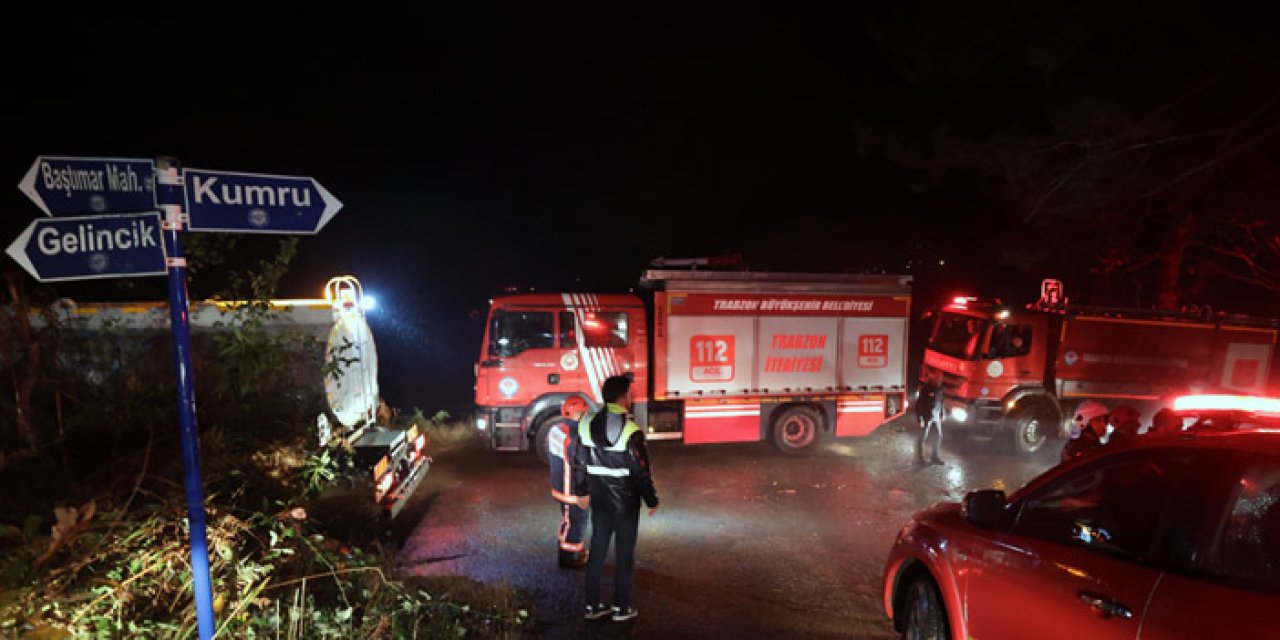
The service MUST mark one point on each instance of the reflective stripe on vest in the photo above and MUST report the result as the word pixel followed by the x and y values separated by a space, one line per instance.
pixel 584 434
pixel 607 471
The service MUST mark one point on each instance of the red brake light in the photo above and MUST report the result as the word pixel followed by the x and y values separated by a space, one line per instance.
pixel 384 485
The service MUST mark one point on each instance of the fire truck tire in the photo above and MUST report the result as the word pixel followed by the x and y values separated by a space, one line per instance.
pixel 795 430
pixel 540 437
pixel 1030 427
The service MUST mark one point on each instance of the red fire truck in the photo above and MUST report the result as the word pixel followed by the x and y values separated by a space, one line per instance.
pixel 1019 373
pixel 717 356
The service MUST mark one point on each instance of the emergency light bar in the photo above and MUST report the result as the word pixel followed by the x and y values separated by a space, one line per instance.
pixel 1222 402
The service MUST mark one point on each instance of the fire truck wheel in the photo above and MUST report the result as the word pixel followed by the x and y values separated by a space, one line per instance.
pixel 540 438
pixel 795 430
pixel 1030 426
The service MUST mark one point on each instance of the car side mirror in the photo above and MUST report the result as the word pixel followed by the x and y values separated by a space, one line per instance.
pixel 986 509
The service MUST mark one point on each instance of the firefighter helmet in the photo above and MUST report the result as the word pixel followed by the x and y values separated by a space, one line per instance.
pixel 1086 412
pixel 573 407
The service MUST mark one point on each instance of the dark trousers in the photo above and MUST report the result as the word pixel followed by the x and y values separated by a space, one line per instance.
pixel 573 522
pixel 605 525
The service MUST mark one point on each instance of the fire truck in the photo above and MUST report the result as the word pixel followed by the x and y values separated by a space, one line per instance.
pixel 715 356
pixel 1018 373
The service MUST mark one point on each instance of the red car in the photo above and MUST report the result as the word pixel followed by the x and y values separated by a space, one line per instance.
pixel 1175 537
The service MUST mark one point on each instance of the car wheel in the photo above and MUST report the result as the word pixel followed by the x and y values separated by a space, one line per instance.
pixel 1030 427
pixel 795 430
pixel 924 616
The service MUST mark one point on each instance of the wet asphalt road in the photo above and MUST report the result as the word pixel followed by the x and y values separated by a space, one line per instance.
pixel 747 543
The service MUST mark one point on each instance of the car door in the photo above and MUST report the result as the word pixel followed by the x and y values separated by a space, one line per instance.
pixel 1230 586
pixel 1072 565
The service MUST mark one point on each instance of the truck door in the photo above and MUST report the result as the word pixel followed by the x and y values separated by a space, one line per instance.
pixel 520 351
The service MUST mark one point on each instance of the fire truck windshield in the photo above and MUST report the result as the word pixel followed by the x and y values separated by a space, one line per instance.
pixel 959 336
pixel 1009 340
pixel 513 332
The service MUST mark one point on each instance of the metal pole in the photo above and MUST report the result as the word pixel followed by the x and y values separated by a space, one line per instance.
pixel 170 198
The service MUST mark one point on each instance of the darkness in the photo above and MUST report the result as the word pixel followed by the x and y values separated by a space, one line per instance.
pixel 501 147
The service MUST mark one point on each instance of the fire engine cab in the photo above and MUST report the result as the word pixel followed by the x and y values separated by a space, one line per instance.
pixel 715 356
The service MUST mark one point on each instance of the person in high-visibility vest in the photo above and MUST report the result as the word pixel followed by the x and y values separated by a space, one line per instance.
pixel 613 471
pixel 561 448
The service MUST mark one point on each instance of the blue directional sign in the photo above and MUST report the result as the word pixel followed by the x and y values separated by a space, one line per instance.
pixel 83 186
pixel 84 248
pixel 255 203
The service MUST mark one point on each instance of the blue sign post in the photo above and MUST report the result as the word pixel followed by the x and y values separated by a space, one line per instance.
pixel 169 199
pixel 82 186
pixel 255 203
pixel 56 249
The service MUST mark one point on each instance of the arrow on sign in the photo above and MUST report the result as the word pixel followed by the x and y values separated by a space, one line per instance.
pixel 79 186
pixel 84 248
pixel 255 203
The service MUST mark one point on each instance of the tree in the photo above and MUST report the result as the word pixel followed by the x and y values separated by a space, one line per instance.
pixel 1145 138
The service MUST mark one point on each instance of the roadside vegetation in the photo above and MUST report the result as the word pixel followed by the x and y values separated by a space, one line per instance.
pixel 93 520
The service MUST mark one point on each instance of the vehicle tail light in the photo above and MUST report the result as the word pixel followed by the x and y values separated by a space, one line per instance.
pixel 384 485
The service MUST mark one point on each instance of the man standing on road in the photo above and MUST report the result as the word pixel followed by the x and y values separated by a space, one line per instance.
pixel 929 415
pixel 613 471
pixel 561 445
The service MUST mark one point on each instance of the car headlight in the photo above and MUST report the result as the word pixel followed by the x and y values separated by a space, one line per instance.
pixel 959 414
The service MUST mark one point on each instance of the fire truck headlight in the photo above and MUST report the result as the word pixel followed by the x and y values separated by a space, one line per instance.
pixel 481 424
pixel 959 415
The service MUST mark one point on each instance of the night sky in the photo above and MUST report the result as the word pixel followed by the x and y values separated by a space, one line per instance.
pixel 480 148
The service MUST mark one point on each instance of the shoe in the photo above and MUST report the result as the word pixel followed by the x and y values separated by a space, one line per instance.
pixel 596 612
pixel 620 615
pixel 573 561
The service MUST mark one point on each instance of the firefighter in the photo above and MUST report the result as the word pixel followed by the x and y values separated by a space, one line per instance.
pixel 1127 423
pixel 561 445
pixel 613 470
pixel 1087 429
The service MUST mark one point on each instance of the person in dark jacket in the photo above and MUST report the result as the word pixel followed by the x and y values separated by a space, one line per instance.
pixel 929 415
pixel 613 471
pixel 561 446
pixel 1126 423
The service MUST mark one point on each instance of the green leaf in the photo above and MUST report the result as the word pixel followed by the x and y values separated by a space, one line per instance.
pixel 31 526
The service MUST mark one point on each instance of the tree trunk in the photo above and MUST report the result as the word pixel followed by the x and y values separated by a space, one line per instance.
pixel 1172 255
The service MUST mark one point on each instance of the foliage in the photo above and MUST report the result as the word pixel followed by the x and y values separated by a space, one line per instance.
pixel 122 573
pixel 1116 159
